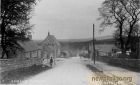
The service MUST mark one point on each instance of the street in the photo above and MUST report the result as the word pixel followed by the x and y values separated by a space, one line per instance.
pixel 71 71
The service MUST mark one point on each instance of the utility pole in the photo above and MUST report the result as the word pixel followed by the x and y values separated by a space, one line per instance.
pixel 94 55
pixel 138 50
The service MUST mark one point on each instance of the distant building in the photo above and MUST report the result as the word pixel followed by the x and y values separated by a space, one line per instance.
pixel 50 47
pixel 104 46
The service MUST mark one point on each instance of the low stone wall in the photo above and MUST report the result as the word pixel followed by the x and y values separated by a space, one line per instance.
pixel 10 64
pixel 132 63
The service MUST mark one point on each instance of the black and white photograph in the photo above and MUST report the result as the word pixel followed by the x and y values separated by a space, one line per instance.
pixel 70 42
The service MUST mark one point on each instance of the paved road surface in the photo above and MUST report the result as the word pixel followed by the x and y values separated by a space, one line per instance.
pixel 70 71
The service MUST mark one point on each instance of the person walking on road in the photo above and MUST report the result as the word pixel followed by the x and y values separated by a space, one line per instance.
pixel 51 61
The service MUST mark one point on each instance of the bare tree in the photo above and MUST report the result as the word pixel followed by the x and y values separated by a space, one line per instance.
pixel 124 15
pixel 132 9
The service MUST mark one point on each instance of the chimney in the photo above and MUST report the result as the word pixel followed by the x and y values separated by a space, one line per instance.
pixel 48 33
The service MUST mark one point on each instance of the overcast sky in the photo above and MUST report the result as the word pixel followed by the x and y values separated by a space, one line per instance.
pixel 67 19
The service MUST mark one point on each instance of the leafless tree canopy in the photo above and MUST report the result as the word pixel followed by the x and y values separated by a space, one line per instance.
pixel 124 15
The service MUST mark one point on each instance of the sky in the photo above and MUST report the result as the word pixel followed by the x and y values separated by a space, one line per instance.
pixel 67 19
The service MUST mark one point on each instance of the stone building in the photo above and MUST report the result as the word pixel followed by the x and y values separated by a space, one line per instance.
pixel 29 55
pixel 50 47
pixel 29 49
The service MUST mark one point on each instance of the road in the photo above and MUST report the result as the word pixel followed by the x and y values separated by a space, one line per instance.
pixel 71 71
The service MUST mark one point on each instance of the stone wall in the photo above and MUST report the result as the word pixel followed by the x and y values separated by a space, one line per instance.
pixel 131 63
pixel 10 64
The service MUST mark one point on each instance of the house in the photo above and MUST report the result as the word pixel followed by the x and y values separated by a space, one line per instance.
pixel 29 49
pixel 50 47
pixel 28 55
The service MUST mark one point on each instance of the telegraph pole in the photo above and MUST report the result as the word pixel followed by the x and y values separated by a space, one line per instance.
pixel 138 50
pixel 94 55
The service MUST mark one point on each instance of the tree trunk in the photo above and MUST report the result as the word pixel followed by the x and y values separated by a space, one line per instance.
pixel 121 40
pixel 2 54
pixel 130 32
pixel 3 40
pixel 129 37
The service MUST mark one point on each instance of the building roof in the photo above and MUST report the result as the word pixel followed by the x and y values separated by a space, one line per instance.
pixel 50 40
pixel 28 45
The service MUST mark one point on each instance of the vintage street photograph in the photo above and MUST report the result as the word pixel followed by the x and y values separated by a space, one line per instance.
pixel 70 42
